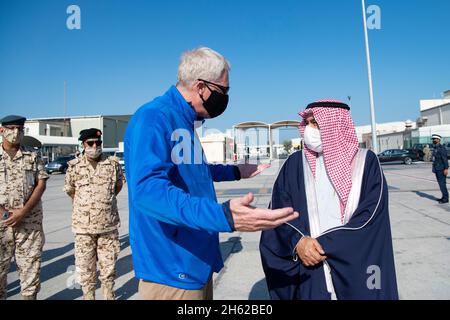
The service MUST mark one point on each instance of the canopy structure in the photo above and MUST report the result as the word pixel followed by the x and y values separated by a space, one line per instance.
pixel 270 127
pixel 251 124
pixel 30 141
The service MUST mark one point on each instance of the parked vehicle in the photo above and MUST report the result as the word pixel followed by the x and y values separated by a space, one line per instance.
pixel 59 164
pixel 398 155
pixel 418 147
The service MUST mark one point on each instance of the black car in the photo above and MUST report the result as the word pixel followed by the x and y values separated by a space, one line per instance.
pixel 398 155
pixel 58 165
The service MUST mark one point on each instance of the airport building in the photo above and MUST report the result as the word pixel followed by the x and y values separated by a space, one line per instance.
pixel 435 112
pixel 434 119
pixel 59 135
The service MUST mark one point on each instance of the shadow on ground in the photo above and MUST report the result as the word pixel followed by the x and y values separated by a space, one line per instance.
pixel 66 265
pixel 426 195
pixel 232 245
pixel 259 291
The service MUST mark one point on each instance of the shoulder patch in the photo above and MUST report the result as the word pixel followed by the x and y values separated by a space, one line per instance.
pixel 73 162
pixel 114 159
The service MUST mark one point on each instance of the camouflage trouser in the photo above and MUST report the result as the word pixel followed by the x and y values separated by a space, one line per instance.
pixel 26 246
pixel 90 248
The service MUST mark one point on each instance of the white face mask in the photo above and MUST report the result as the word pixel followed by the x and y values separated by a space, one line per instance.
pixel 312 139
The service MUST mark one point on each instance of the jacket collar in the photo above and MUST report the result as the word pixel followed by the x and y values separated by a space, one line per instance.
pixel 185 109
pixel 103 160
pixel 18 155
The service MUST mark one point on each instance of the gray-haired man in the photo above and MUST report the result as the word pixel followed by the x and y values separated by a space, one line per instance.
pixel 174 215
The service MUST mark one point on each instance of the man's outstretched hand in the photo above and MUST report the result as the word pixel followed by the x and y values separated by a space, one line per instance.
pixel 248 218
pixel 251 170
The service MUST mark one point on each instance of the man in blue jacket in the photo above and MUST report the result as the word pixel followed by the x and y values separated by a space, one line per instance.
pixel 174 215
pixel 440 166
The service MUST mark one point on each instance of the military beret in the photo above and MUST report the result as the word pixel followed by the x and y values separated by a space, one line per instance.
pixel 13 120
pixel 90 134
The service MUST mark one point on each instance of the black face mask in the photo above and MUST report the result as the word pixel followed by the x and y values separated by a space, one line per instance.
pixel 216 104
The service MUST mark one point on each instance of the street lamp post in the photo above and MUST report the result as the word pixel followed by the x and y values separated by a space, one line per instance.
pixel 369 73
pixel 257 145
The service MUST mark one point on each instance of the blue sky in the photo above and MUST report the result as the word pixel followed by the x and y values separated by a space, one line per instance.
pixel 284 54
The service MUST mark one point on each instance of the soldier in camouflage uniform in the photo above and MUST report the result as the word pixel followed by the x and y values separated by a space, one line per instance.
pixel 22 183
pixel 93 180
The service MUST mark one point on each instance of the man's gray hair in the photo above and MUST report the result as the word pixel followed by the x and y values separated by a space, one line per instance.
pixel 202 63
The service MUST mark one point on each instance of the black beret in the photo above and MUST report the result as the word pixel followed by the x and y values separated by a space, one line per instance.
pixel 90 134
pixel 13 120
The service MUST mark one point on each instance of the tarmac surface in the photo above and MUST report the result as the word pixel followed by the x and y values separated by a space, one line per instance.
pixel 420 228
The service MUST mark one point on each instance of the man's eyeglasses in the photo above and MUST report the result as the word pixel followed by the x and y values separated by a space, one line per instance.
pixel 98 143
pixel 222 88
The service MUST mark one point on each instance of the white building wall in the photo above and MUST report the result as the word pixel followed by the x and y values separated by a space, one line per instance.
pixel 391 141
pixel 32 129
pixel 388 127
pixel 432 103
pixel 214 151
pixel 218 148
pixel 442 130
pixel 78 124
pixel 433 116
pixel 445 113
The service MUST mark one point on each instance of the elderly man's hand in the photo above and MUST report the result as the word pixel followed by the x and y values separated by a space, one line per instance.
pixel 248 218
pixel 251 170
pixel 310 251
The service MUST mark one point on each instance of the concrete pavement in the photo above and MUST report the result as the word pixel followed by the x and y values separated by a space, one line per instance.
pixel 420 227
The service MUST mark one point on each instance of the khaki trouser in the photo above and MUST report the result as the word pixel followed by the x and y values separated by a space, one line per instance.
pixel 155 291
pixel 92 248
pixel 26 246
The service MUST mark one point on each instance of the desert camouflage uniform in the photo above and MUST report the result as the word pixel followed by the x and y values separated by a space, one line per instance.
pixel 95 220
pixel 18 178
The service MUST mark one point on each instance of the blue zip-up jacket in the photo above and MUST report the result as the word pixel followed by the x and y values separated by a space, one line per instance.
pixel 174 214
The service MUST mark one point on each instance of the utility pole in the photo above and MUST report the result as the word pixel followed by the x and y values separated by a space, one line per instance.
pixel 65 109
pixel 369 74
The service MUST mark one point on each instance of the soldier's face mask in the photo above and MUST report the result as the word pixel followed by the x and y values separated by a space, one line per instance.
pixel 13 135
pixel 93 151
